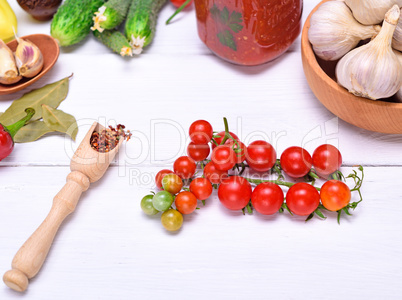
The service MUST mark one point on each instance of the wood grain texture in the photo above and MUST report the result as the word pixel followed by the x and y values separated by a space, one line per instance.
pixel 87 165
pixel 372 115
pixel 31 256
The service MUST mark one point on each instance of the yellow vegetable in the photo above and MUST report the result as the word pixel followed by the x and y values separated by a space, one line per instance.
pixel 8 21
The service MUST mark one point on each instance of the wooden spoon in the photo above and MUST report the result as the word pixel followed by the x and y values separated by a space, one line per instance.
pixel 87 165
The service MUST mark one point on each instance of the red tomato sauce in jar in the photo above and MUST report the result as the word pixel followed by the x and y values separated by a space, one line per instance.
pixel 248 32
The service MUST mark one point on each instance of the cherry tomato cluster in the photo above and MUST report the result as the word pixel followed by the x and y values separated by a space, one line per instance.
pixel 235 191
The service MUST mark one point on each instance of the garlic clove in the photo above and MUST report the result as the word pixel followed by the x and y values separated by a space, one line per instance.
pixel 373 70
pixel 398 95
pixel 397 38
pixel 8 69
pixel 398 55
pixel 371 12
pixel 29 58
pixel 334 31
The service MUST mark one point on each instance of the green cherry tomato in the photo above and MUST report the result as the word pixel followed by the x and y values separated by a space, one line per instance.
pixel 172 220
pixel 162 200
pixel 147 206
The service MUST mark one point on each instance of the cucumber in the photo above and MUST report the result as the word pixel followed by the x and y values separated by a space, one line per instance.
pixel 111 14
pixel 73 20
pixel 141 22
pixel 115 40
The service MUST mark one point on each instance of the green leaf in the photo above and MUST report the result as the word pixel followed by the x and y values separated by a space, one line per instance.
pixel 320 214
pixel 52 94
pixel 345 209
pixel 60 121
pixel 31 132
pixel 310 216
pixel 339 217
pixel 236 27
pixel 224 16
pixel 227 39
pixel 284 206
pixel 235 20
pixel 215 12
pixel 236 17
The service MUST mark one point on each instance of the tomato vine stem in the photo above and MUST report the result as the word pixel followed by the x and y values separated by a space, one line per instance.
pixel 278 182
pixel 177 11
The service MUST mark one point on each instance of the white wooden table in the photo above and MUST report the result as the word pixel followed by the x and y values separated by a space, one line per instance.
pixel 109 249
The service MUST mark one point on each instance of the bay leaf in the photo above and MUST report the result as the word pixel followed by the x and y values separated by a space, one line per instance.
pixel 51 94
pixel 58 120
pixel 31 132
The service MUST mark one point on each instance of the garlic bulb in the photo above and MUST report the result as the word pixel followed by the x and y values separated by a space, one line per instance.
pixel 29 58
pixel 397 39
pixel 373 70
pixel 370 12
pixel 399 93
pixel 8 69
pixel 334 31
pixel 398 55
pixel 399 96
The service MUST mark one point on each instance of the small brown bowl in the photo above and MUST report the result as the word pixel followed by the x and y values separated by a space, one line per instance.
pixel 379 116
pixel 50 51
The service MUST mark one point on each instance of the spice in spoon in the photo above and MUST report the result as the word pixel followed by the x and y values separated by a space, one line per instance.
pixel 109 138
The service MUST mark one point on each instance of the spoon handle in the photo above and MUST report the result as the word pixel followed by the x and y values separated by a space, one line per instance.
pixel 29 259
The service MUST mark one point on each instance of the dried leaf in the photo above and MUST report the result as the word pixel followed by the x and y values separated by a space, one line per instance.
pixel 52 94
pixel 60 121
pixel 31 132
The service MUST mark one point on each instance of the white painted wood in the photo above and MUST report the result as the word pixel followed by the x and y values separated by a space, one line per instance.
pixel 108 249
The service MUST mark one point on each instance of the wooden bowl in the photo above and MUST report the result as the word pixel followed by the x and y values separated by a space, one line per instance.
pixel 380 116
pixel 50 51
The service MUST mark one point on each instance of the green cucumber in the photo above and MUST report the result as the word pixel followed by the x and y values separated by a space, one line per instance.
pixel 111 14
pixel 141 22
pixel 115 40
pixel 73 20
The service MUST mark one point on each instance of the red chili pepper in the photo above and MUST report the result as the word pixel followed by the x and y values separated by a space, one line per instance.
pixel 7 133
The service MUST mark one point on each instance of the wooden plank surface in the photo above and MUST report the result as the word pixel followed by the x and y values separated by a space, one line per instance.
pixel 108 249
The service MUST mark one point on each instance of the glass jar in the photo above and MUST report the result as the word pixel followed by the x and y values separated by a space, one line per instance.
pixel 248 32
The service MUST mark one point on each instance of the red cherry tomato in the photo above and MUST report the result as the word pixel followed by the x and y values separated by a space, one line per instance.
pixel 326 159
pixel 185 202
pixel 172 183
pixel 179 3
pixel 201 188
pixel 296 162
pixel 223 157
pixel 159 176
pixel 302 199
pixel 214 175
pixel 185 167
pixel 221 136
pixel 239 156
pixel 260 156
pixel 335 195
pixel 200 132
pixel 267 198
pixel 198 152
pixel 234 192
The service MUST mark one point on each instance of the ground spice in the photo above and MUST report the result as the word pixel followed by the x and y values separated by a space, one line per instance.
pixel 108 138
